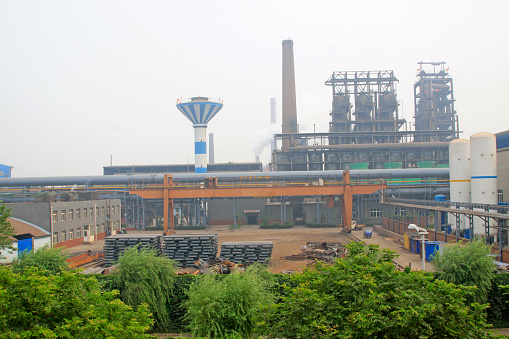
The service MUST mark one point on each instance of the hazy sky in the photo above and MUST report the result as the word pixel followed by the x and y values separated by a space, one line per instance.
pixel 83 80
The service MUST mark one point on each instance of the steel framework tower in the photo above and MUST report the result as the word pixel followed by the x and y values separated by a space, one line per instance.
pixel 434 103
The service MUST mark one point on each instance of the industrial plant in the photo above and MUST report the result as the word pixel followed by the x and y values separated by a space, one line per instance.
pixel 369 165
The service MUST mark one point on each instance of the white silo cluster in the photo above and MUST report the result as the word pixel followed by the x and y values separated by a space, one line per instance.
pixel 473 176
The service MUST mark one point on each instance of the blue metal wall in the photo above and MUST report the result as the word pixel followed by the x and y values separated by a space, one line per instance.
pixel 5 171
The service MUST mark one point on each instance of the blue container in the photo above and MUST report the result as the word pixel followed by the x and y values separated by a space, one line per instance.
pixel 412 245
pixel 417 246
pixel 431 248
pixel 466 234
pixel 440 197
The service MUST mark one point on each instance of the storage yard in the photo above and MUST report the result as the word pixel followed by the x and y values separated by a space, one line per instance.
pixel 286 242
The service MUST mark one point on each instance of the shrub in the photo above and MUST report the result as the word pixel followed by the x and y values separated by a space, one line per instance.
pixel 143 277
pixel 34 304
pixel 224 305
pixel 49 260
pixel 467 264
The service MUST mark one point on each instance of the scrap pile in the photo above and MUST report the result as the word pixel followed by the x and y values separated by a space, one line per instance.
pixel 115 245
pixel 247 251
pixel 217 266
pixel 186 249
pixel 323 251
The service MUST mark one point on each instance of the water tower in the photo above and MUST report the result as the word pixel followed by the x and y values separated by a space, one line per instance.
pixel 200 110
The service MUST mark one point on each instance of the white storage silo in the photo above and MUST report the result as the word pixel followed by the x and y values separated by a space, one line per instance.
pixel 459 175
pixel 483 158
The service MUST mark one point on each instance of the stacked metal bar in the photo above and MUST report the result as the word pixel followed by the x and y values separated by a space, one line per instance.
pixel 246 252
pixel 186 249
pixel 115 245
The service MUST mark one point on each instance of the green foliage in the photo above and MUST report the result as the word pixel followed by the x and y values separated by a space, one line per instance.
pixel 265 221
pixel 68 305
pixel 49 260
pixel 144 278
pixel 498 312
pixel 222 305
pixel 364 296
pixel 177 309
pixel 467 264
pixel 6 230
pixel 321 225
pixel 276 225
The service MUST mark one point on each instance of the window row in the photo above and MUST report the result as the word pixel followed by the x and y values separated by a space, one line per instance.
pixel 84 213
pixel 88 230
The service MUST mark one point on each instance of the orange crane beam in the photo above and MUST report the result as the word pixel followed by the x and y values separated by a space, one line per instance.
pixel 210 190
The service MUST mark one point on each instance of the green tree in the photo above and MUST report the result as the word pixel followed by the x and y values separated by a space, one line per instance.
pixel 365 296
pixel 143 277
pixel 68 305
pixel 6 229
pixel 467 264
pixel 50 260
pixel 228 305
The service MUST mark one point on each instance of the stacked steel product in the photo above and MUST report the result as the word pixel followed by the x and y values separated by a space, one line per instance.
pixel 115 245
pixel 186 249
pixel 247 252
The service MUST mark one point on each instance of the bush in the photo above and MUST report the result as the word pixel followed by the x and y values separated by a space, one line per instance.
pixel 34 304
pixel 467 264
pixel 223 305
pixel 365 296
pixel 321 225
pixel 276 225
pixel 143 277
pixel 49 260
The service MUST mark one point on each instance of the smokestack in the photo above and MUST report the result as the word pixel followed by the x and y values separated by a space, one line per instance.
pixel 289 97
pixel 211 148
pixel 257 158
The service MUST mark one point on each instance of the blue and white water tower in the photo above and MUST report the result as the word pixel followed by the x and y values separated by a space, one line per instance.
pixel 200 110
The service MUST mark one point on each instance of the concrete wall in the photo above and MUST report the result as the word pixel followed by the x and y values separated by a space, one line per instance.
pixel 35 213
pixel 221 210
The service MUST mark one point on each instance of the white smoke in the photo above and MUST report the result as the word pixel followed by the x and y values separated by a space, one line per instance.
pixel 264 138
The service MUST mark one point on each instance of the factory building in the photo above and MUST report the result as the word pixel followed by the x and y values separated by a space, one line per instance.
pixel 72 223
pixel 28 237
pixel 503 166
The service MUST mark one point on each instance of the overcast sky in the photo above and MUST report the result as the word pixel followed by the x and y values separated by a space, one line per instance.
pixel 81 81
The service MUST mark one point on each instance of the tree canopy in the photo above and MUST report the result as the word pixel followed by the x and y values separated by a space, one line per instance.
pixel 68 305
pixel 50 260
pixel 365 296
pixel 6 229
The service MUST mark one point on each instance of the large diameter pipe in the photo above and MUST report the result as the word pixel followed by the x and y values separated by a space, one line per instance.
pixel 125 179
pixel 289 97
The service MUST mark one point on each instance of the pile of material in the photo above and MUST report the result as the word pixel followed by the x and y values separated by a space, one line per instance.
pixel 247 252
pixel 217 266
pixel 115 245
pixel 186 249
pixel 323 251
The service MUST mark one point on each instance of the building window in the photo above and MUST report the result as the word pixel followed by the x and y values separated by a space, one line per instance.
pixel 62 216
pixel 102 228
pixel 55 216
pixel 375 213
pixel 78 213
pixel 97 211
pixel 78 233
pixel 85 213
pixel 97 229
pixel 102 210
pixel 55 237
pixel 500 196
pixel 91 212
pixel 118 209
pixel 109 210
pixel 71 214
pixel 63 236
pixel 71 234
pixel 91 229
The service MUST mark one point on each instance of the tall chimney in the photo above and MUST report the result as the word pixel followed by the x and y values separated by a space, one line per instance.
pixel 289 97
pixel 211 148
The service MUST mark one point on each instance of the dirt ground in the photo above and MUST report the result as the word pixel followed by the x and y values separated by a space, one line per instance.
pixel 286 242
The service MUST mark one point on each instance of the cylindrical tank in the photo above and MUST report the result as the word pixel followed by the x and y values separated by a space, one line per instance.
pixel 459 175
pixel 483 155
